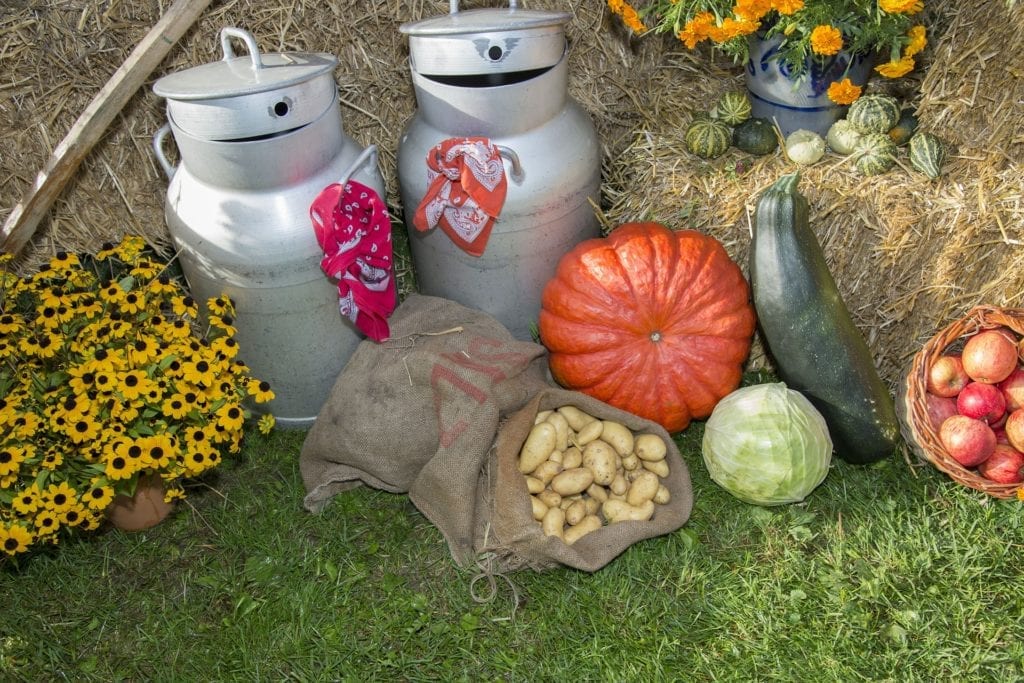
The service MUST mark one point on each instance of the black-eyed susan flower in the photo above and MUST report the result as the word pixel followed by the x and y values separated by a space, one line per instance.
pixel 117 467
pixel 73 516
pixel 26 501
pixel 11 458
pixel 260 391
pixel 82 428
pixel 98 496
pixel 175 406
pixel 14 538
pixel 60 497
pixel 231 416
pixel 199 372
pixel 11 323
pixel 185 306
pixel 132 384
pixel 46 522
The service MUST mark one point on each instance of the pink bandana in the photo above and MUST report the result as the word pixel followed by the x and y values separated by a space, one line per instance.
pixel 466 192
pixel 353 229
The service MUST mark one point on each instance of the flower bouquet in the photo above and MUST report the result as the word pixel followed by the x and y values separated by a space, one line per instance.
pixel 808 30
pixel 106 378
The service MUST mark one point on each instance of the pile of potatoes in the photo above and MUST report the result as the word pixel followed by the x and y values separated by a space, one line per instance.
pixel 583 472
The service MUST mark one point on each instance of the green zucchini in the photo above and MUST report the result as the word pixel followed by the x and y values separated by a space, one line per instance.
pixel 817 348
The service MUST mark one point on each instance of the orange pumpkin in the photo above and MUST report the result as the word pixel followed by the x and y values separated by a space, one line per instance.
pixel 653 321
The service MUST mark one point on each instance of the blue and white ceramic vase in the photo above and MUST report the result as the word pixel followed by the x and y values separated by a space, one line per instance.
pixel 801 103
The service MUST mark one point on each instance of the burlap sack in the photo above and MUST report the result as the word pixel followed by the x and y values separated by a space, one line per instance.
pixel 507 535
pixel 422 406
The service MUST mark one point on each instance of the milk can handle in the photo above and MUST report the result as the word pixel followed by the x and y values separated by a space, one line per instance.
pixel 158 147
pixel 229 32
pixel 453 5
pixel 513 158
pixel 368 153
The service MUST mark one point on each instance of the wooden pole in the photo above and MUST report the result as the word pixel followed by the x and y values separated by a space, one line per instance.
pixel 23 220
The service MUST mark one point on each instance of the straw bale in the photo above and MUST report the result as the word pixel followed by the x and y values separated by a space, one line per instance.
pixel 907 253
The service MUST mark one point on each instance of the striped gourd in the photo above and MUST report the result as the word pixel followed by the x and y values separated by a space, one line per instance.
pixel 927 154
pixel 708 138
pixel 875 153
pixel 874 113
pixel 733 108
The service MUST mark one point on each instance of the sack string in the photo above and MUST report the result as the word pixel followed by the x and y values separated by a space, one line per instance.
pixel 485 563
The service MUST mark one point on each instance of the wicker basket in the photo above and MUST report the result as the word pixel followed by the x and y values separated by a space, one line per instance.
pixel 912 408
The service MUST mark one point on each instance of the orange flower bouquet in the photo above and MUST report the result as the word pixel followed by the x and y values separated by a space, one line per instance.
pixel 808 29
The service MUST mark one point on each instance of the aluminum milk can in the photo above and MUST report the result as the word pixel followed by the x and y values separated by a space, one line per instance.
pixel 259 136
pixel 501 74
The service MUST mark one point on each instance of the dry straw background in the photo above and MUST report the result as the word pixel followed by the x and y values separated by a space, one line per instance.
pixel 909 254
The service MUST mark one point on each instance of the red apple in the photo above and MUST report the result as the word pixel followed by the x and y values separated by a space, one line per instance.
pixel 1000 433
pixel 1014 429
pixel 946 376
pixel 939 408
pixel 967 440
pixel 989 356
pixel 1005 465
pixel 982 402
pixel 1013 389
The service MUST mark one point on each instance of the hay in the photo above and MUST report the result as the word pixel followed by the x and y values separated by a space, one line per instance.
pixel 908 254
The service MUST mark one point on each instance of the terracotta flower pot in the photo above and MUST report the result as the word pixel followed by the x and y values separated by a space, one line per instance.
pixel 143 510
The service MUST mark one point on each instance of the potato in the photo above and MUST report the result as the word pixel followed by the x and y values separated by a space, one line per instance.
pixel 556 456
pixel 542 416
pixel 630 462
pixel 643 488
pixel 659 467
pixel 549 498
pixel 593 505
pixel 569 482
pixel 588 524
pixel 534 485
pixel 573 457
pixel 539 508
pixel 597 492
pixel 650 447
pixel 561 430
pixel 621 511
pixel 537 447
pixel 619 485
pixel 546 471
pixel 567 501
pixel 588 433
pixel 554 520
pixel 575 513
pixel 663 495
pixel 618 436
pixel 600 459
pixel 576 418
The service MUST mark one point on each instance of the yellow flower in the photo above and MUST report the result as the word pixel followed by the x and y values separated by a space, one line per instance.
pixel 901 6
pixel 82 429
pixel 917 40
pixel 133 384
pixel 26 501
pixel 826 40
pixel 47 523
pixel 11 458
pixel 73 516
pixel 60 497
pixel 231 416
pixel 64 261
pixel 787 6
pixel 133 302
pixel 260 391
pixel 900 67
pixel 117 466
pixel 158 450
pixel 844 91
pixel 98 496
pixel 226 348
pixel 11 323
pixel 175 406
pixel 185 306
pixel 266 423
pixel 14 538
pixel 221 305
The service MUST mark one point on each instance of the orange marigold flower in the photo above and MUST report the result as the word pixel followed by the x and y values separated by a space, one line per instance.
pixel 901 6
pixel 844 91
pixel 697 29
pixel 787 6
pixel 752 10
pixel 631 19
pixel 917 40
pixel 732 28
pixel 826 40
pixel 900 67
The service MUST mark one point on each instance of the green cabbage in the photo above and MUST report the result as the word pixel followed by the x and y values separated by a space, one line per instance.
pixel 766 444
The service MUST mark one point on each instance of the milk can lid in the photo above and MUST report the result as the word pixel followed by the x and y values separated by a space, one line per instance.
pixel 498 20
pixel 249 74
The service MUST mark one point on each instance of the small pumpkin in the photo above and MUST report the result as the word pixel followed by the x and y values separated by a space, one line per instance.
pixel 733 108
pixel 653 321
pixel 874 113
pixel 842 137
pixel 805 147
pixel 875 153
pixel 708 138
pixel 755 136
pixel 927 154
pixel 904 128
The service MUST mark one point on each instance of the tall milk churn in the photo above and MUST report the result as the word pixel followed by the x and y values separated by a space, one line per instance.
pixel 259 136
pixel 502 75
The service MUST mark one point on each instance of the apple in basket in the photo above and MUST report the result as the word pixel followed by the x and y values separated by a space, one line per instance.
pixel 939 408
pixel 946 376
pixel 1013 390
pixel 1014 429
pixel 1004 466
pixel 967 440
pixel 981 401
pixel 989 356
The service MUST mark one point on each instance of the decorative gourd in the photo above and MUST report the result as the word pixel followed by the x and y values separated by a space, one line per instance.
pixel 653 321
pixel 708 138
pixel 805 147
pixel 875 153
pixel 927 154
pixel 755 136
pixel 904 128
pixel 733 108
pixel 874 113
pixel 842 137
pixel 818 350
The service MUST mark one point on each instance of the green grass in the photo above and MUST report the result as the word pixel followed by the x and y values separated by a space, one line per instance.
pixel 886 572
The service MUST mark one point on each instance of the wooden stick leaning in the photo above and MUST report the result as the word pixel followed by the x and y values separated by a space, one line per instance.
pixel 23 220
